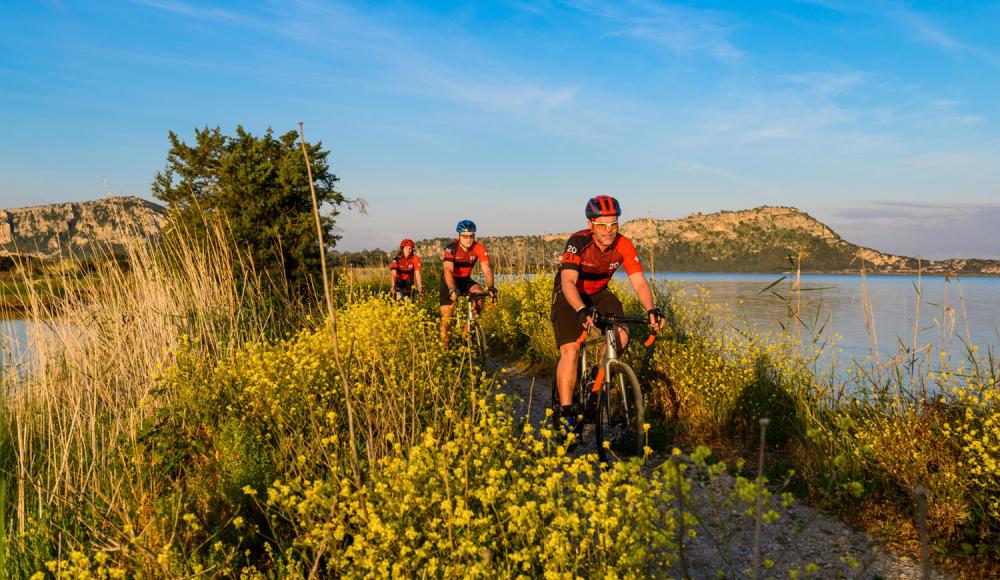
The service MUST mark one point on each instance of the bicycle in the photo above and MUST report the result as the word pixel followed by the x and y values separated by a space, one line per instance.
pixel 408 293
pixel 608 393
pixel 473 330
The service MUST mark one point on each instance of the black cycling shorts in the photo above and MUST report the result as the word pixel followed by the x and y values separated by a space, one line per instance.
pixel 565 321
pixel 463 285
pixel 405 287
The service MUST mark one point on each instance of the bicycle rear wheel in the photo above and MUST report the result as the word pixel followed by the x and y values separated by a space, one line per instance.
pixel 620 414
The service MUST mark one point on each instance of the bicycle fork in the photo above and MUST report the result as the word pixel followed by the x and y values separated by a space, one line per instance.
pixel 610 358
pixel 469 317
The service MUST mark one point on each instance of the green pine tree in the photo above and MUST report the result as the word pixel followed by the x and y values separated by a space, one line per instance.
pixel 261 187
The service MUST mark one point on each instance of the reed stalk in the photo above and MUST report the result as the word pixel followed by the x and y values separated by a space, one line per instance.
pixel 332 313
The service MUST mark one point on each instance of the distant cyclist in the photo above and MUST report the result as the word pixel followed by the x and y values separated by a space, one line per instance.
pixel 460 257
pixel 404 270
pixel 581 290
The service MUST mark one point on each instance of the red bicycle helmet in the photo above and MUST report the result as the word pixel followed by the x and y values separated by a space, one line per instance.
pixel 603 205
pixel 406 242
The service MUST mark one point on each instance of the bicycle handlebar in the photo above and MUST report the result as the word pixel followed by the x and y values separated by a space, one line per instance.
pixel 481 296
pixel 605 322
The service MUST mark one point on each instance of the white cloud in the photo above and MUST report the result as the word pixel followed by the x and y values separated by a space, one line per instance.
pixel 925 29
pixel 451 69
pixel 750 184
pixel 918 24
pixel 198 11
pixel 677 28
pixel 827 84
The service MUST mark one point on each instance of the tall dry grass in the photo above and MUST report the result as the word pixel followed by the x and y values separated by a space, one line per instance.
pixel 72 412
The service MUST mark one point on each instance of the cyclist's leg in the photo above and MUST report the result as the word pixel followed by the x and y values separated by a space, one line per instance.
pixel 569 355
pixel 447 307
pixel 403 289
pixel 567 330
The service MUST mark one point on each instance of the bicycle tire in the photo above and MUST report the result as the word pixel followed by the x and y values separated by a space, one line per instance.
pixel 478 337
pixel 620 414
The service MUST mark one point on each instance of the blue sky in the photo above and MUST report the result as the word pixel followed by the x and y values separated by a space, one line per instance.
pixel 879 118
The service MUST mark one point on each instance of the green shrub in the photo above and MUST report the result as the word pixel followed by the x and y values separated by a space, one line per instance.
pixel 764 395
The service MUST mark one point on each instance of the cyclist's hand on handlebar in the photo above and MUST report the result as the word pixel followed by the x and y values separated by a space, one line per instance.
pixel 493 293
pixel 586 315
pixel 655 318
pixel 453 294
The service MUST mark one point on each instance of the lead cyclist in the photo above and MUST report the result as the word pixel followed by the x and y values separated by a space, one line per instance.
pixel 591 258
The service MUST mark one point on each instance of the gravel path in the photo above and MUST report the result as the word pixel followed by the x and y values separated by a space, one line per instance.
pixel 723 544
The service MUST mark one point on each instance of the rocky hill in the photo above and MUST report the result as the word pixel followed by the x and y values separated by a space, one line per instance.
pixel 762 239
pixel 79 229
pixel 754 240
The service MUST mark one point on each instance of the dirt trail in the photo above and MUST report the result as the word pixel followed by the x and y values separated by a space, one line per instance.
pixel 724 541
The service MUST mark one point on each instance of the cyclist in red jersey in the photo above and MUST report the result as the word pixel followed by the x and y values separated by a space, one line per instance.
pixel 591 258
pixel 460 257
pixel 404 271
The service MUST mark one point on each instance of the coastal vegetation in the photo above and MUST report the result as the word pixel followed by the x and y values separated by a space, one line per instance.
pixel 184 419
pixel 261 185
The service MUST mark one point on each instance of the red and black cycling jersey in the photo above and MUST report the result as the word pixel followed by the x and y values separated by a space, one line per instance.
pixel 405 267
pixel 464 260
pixel 596 266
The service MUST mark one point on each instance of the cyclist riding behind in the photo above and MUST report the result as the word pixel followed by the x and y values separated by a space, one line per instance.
pixel 460 257
pixel 581 290
pixel 404 270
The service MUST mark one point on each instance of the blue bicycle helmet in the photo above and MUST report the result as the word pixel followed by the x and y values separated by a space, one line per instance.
pixel 466 226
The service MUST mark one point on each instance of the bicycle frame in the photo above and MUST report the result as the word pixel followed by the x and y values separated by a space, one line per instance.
pixel 609 332
pixel 470 311
pixel 609 358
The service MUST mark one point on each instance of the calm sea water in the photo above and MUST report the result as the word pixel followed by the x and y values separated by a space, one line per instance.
pixel 944 313
pixel 13 341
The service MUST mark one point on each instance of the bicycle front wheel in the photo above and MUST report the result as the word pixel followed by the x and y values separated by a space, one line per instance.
pixel 478 338
pixel 620 414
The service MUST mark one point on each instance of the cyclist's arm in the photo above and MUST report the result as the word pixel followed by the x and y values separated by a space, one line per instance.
pixel 641 287
pixel 487 273
pixel 392 279
pixel 568 278
pixel 447 270
pixel 420 282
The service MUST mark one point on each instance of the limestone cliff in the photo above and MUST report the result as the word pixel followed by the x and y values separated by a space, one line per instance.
pixel 79 229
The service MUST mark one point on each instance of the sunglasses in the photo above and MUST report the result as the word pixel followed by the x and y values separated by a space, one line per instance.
pixel 466 235
pixel 608 227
